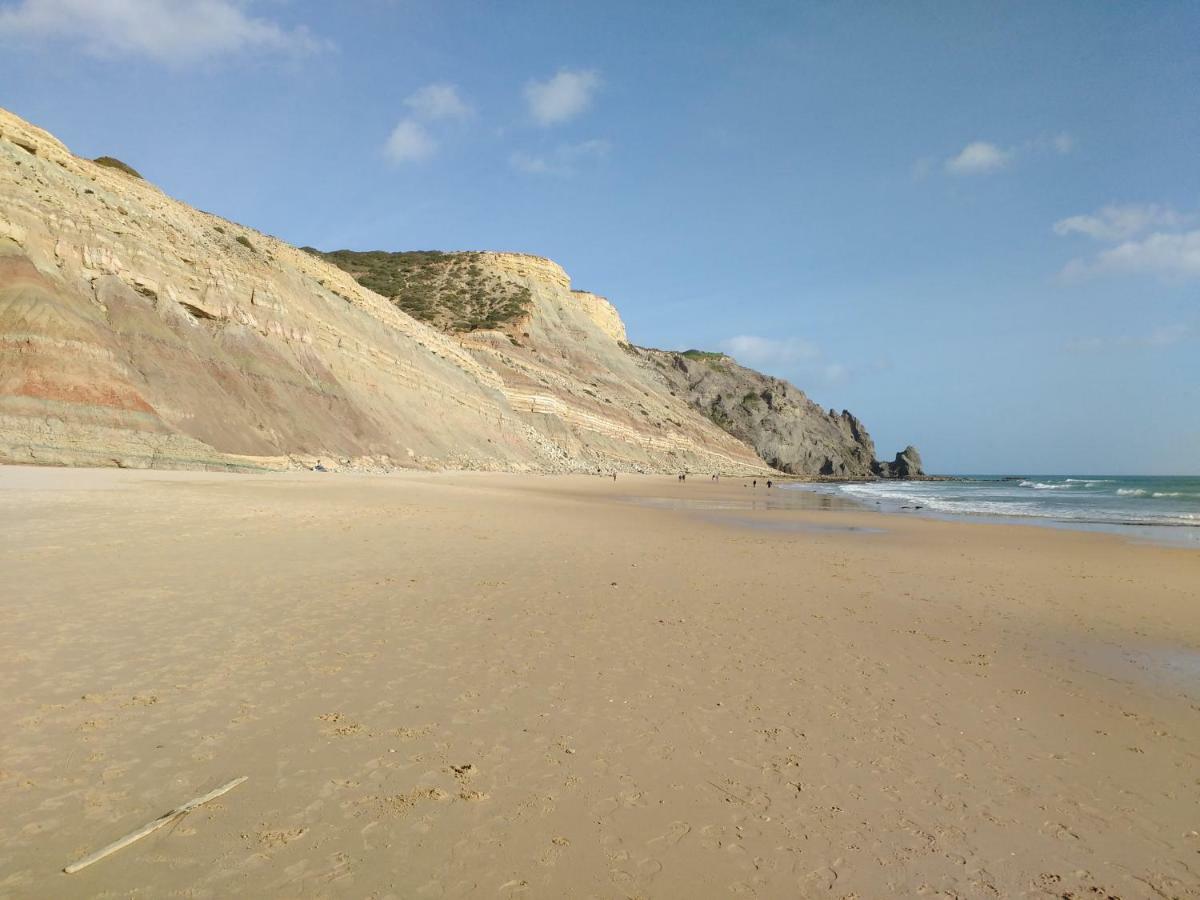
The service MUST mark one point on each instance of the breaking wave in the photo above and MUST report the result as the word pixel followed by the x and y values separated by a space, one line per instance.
pixel 1114 503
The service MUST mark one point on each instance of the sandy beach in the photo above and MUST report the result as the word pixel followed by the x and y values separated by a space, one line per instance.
pixel 448 685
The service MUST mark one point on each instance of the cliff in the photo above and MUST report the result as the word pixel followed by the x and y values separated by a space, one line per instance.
pixel 471 294
pixel 787 430
pixel 138 331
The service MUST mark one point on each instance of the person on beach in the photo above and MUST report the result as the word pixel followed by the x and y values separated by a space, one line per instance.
pixel 754 483
pixel 768 483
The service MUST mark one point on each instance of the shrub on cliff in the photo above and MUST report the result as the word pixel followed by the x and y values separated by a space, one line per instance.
pixel 448 290
pixel 111 162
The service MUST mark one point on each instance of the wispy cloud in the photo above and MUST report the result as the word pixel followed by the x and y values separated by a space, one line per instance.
pixel 1170 255
pixel 438 101
pixel 978 158
pixel 563 96
pixel 164 31
pixel 986 157
pixel 563 161
pixel 752 350
pixel 1117 223
pixel 1163 336
pixel 791 355
pixel 1063 143
pixel 409 142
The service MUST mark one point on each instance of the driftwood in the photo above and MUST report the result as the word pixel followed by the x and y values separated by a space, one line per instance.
pixel 164 819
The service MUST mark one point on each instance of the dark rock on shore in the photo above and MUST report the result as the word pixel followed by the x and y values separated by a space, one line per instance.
pixel 907 464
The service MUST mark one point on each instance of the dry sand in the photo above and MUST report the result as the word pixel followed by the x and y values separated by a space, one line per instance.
pixel 494 685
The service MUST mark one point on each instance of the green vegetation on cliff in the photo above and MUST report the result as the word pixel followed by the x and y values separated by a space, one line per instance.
pixel 450 291
pixel 111 162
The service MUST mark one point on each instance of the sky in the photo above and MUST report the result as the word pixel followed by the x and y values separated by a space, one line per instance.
pixel 975 225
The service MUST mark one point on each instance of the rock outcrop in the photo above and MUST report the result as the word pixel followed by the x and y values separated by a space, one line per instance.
pixel 907 464
pixel 789 432
pixel 138 331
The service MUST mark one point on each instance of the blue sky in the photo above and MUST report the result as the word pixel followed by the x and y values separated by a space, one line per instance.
pixel 975 225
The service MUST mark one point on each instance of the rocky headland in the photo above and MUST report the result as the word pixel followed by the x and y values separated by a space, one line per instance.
pixel 138 331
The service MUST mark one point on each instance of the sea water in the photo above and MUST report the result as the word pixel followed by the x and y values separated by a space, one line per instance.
pixel 1162 508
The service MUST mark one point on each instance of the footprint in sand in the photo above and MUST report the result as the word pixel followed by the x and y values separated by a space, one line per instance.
pixel 341 726
pixel 675 833
pixel 465 772
pixel 821 879
pixel 271 839
pixel 463 775
pixel 1058 830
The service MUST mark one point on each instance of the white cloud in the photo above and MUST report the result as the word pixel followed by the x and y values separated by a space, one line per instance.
pixel 562 97
pixel 1167 335
pixel 1163 336
pixel 978 158
pixel 529 164
pixel 564 160
pixel 1171 256
pixel 753 351
pixel 984 157
pixel 797 356
pixel 173 32
pixel 1116 223
pixel 409 142
pixel 438 101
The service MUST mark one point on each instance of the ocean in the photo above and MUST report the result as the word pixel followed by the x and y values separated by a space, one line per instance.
pixel 1160 508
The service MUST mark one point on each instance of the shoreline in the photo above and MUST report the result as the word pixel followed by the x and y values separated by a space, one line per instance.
pixel 1173 534
pixel 446 683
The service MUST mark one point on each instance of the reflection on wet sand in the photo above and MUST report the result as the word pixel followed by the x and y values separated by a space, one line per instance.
pixel 772 524
pixel 773 500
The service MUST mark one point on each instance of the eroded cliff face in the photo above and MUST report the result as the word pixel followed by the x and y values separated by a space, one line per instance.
pixel 789 431
pixel 137 331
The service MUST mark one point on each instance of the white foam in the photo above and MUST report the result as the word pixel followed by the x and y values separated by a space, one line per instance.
pixel 1027 500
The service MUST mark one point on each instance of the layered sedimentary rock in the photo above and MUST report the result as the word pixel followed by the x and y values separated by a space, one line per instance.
pixel 138 331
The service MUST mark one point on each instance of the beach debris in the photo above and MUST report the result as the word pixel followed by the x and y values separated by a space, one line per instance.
pixel 151 827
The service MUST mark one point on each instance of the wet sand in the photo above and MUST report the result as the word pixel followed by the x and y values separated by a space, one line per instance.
pixel 446 685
